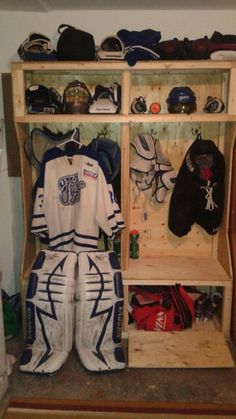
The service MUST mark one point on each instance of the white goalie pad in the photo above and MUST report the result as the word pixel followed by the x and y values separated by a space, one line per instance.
pixel 99 311
pixel 49 312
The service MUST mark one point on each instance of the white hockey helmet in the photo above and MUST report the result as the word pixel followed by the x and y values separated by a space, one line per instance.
pixel 111 48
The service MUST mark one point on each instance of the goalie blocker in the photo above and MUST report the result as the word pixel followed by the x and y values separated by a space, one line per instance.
pixel 99 311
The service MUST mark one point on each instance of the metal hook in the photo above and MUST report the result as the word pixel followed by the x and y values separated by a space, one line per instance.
pixel 152 132
pixel 197 133
pixel 140 128
pixel 103 132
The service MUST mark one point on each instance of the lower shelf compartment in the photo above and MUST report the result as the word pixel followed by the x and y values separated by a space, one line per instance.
pixel 171 269
pixel 192 348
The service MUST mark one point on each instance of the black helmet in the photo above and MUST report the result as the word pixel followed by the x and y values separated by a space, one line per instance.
pixel 181 100
pixel 41 99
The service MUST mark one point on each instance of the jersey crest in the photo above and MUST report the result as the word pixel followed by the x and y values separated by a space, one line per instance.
pixel 70 187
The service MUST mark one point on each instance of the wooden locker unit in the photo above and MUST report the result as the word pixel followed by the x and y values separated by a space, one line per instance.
pixel 196 259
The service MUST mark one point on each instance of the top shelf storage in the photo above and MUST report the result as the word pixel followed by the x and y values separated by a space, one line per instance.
pixel 220 76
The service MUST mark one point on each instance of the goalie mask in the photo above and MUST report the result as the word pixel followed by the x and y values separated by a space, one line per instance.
pixel 76 98
pixel 111 48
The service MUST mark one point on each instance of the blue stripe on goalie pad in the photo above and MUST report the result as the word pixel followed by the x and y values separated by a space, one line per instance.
pixel 97 262
pixel 99 312
pixel 118 285
pixel 114 261
pixel 41 362
pixel 39 261
pixel 32 286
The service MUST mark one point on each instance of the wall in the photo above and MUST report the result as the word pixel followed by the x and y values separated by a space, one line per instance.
pixel 14 28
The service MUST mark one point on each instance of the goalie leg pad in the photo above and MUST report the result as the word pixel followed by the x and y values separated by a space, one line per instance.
pixel 49 312
pixel 99 312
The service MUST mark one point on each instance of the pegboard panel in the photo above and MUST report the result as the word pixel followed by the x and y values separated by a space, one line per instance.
pixel 149 217
pixel 176 138
pixel 87 131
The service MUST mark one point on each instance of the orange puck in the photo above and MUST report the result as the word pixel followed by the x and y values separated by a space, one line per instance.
pixel 155 107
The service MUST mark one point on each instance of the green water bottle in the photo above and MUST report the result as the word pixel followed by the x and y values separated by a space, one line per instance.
pixel 116 246
pixel 134 245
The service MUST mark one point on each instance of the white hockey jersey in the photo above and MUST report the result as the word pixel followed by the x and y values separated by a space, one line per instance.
pixel 73 200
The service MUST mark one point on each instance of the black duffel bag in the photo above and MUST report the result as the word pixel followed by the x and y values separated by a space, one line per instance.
pixel 75 45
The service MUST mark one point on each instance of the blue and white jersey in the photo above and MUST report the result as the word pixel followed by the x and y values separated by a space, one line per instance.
pixel 73 200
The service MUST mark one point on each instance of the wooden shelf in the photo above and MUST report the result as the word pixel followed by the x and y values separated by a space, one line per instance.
pixel 61 66
pixel 171 269
pixel 121 118
pixel 76 119
pixel 191 348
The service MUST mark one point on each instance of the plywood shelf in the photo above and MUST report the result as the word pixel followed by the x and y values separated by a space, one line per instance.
pixel 62 66
pixel 171 269
pixel 186 349
pixel 67 119
pixel 122 118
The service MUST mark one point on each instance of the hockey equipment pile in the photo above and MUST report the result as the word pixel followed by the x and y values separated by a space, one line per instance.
pixel 162 309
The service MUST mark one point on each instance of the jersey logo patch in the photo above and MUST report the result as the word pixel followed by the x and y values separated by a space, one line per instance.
pixel 70 187
pixel 90 174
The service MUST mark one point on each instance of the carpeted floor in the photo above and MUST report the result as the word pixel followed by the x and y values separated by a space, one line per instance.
pixel 72 382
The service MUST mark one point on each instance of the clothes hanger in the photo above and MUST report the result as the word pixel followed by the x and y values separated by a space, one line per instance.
pixel 72 138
